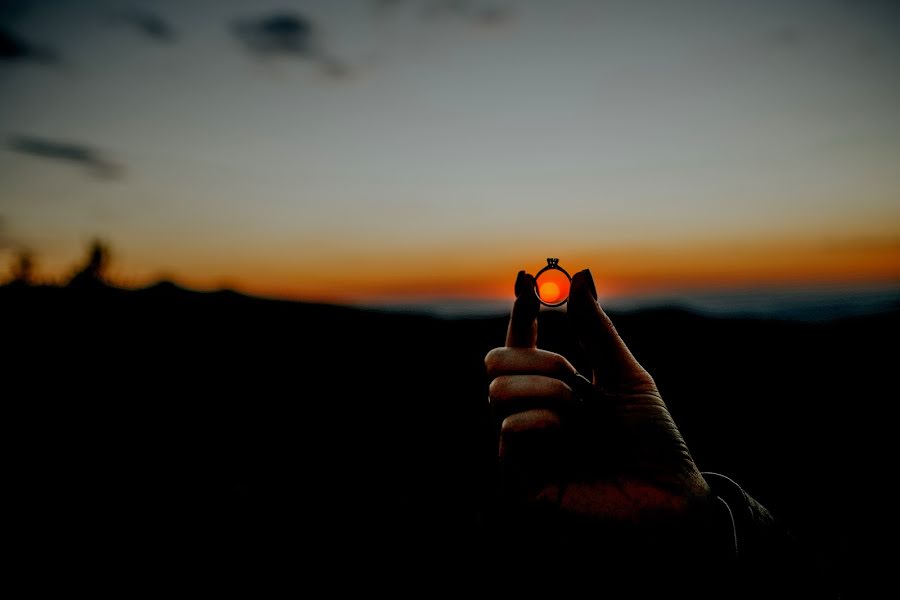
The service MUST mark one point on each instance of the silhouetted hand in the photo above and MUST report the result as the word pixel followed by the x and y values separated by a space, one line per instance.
pixel 610 452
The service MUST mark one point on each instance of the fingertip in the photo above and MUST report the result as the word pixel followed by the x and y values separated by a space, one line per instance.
pixel 520 283
pixel 582 303
pixel 607 352
pixel 583 284
pixel 522 325
pixel 527 298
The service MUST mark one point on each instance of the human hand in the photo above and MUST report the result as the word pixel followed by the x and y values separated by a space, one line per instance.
pixel 610 452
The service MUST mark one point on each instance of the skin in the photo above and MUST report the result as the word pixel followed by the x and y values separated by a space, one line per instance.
pixel 611 453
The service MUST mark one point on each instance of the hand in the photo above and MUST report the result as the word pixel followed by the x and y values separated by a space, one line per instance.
pixel 610 453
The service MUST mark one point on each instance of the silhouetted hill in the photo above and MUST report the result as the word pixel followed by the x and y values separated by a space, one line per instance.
pixel 220 423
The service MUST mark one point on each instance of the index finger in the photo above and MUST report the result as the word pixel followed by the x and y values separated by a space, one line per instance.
pixel 522 331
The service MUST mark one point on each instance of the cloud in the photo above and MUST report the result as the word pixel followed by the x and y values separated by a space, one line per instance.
pixel 95 163
pixel 16 48
pixel 282 33
pixel 150 25
pixel 289 35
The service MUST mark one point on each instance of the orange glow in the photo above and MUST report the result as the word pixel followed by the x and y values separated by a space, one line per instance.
pixel 553 286
pixel 549 292
pixel 489 271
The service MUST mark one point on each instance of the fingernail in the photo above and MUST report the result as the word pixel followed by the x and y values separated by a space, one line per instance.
pixel 591 287
pixel 520 283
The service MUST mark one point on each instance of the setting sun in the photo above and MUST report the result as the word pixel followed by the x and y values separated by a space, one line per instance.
pixel 549 291
pixel 552 286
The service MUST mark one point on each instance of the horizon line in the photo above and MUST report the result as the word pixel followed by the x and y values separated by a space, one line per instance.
pixel 819 301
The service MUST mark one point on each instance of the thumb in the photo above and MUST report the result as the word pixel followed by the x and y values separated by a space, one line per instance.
pixel 610 358
pixel 522 332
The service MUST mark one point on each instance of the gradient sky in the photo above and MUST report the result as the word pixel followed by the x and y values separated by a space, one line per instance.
pixel 414 149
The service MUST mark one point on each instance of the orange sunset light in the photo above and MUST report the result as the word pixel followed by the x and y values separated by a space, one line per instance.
pixel 618 271
pixel 549 291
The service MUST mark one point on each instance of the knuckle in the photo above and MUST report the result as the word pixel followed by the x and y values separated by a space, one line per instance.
pixel 498 388
pixel 529 422
pixel 554 364
pixel 559 389
pixel 510 427
pixel 492 355
pixel 560 365
pixel 493 359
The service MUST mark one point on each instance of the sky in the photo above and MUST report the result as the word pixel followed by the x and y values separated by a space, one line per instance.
pixel 404 150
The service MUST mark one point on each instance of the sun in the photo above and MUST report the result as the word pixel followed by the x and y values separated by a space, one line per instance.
pixel 549 291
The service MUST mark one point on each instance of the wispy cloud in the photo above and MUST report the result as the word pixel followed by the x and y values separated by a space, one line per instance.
pixel 148 24
pixel 289 35
pixel 15 48
pixel 80 154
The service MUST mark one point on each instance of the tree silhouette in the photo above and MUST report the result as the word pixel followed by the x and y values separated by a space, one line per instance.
pixel 93 274
pixel 23 269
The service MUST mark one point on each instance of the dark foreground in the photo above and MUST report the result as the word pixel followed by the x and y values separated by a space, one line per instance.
pixel 165 427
